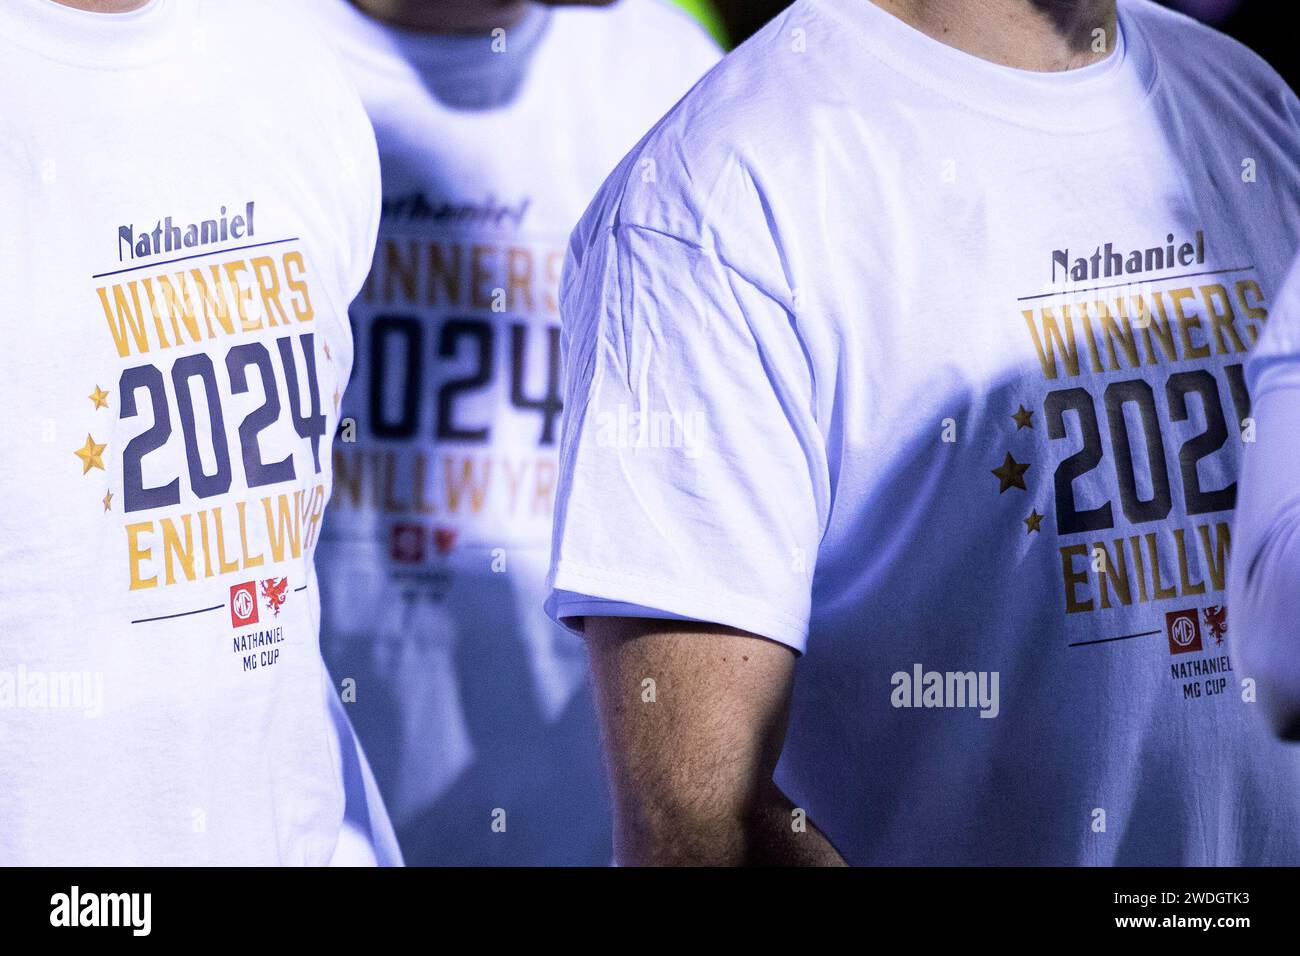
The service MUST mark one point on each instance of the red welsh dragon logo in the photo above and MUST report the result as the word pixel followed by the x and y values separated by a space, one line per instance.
pixel 274 590
pixel 1216 619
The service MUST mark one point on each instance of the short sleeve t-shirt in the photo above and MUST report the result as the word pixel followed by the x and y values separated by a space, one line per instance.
pixel 931 370
pixel 1274 363
pixel 190 195
pixel 433 560
pixel 1262 582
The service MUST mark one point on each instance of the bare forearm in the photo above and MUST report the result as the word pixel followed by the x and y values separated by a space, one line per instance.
pixel 769 832
pixel 693 720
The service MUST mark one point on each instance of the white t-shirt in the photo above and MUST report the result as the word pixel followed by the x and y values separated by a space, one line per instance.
pixel 472 705
pixel 1266 542
pixel 190 196
pixel 931 370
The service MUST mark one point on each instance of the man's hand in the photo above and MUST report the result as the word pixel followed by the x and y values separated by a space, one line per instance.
pixel 693 719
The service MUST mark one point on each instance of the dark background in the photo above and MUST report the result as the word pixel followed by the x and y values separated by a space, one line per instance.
pixel 1260 24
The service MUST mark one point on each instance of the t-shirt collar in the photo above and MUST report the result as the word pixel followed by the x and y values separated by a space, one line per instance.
pixel 1086 98
pixel 102 40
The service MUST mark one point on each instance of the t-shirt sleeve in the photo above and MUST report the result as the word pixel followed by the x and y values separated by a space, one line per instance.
pixel 369 197
pixel 693 477
pixel 356 155
pixel 1275 360
pixel 363 180
pixel 1266 525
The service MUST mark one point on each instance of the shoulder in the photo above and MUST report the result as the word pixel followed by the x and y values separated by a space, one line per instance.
pixel 1164 27
pixel 644 35
pixel 257 22
pixel 726 142
pixel 284 39
pixel 1192 53
pixel 303 87
pixel 660 19
pixel 284 45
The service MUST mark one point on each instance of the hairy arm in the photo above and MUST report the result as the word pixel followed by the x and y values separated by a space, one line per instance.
pixel 691 756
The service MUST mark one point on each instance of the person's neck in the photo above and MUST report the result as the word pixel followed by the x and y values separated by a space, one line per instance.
pixel 1041 35
pixel 104 6
pixel 446 16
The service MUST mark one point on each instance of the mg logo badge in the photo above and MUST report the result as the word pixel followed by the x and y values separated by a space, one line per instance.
pixel 1184 630
pixel 243 604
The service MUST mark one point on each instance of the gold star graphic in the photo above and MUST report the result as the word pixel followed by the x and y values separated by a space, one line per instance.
pixel 99 397
pixel 91 455
pixel 108 501
pixel 1011 474
pixel 1034 522
pixel 1024 418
